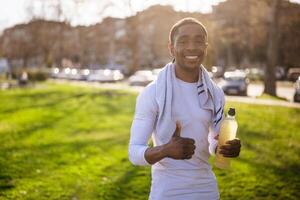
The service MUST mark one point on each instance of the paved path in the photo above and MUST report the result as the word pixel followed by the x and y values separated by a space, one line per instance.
pixel 283 91
pixel 268 102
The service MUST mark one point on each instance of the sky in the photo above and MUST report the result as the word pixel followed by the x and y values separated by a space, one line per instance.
pixel 16 11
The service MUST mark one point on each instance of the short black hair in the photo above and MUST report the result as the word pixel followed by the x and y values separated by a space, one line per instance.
pixel 184 21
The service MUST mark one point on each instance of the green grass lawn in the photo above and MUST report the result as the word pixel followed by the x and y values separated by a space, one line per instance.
pixel 67 142
pixel 269 97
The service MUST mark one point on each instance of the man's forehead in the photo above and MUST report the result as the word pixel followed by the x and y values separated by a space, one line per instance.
pixel 194 30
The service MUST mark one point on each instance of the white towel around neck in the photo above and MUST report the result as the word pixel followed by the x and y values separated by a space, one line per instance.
pixel 212 99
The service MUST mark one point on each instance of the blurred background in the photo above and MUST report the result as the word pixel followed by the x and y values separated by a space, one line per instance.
pixel 86 39
pixel 70 72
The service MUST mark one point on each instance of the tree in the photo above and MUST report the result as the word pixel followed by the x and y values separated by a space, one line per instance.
pixel 273 50
pixel 290 34
pixel 134 35
pixel 19 44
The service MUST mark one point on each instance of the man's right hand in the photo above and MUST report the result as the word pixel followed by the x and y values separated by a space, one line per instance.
pixel 178 147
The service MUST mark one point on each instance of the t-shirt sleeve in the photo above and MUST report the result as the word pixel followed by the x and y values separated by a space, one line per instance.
pixel 143 125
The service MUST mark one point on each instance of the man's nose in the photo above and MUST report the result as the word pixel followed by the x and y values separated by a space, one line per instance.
pixel 191 46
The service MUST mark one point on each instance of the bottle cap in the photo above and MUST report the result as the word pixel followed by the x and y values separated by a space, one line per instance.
pixel 231 112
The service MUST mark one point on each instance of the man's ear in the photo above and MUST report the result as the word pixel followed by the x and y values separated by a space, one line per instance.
pixel 171 49
pixel 205 53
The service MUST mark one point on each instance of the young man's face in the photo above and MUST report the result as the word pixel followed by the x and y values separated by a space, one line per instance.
pixel 189 46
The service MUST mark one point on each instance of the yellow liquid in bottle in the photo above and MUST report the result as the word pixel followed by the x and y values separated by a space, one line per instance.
pixel 227 132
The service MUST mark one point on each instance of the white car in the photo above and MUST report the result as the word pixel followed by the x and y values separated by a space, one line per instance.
pixel 62 73
pixel 54 72
pixel 79 74
pixel 75 74
pixel 105 75
pixel 234 83
pixel 297 90
pixel 141 78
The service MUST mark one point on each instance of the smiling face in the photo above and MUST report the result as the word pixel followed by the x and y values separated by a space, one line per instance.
pixel 189 47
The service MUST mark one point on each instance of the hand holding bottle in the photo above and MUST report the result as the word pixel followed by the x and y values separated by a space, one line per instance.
pixel 229 145
pixel 231 149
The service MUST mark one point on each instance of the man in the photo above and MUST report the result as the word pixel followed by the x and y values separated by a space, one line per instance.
pixel 182 110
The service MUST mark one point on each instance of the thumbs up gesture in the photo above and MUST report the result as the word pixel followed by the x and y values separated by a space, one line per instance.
pixel 178 147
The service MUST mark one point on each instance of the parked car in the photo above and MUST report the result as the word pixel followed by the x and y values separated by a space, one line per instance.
pixel 279 73
pixel 255 73
pixel 297 91
pixel 84 74
pixel 217 71
pixel 141 78
pixel 79 74
pixel 60 73
pixel 105 75
pixel 54 72
pixel 118 75
pixel 74 74
pixel 293 74
pixel 234 83
pixel 65 74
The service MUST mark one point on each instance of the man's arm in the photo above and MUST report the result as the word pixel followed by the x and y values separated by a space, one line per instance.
pixel 155 154
pixel 143 125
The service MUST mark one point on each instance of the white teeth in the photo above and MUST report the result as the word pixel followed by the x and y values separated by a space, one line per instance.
pixel 191 57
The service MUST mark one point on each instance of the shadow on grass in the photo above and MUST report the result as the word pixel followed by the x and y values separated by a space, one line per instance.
pixel 272 164
pixel 252 135
pixel 52 157
pixel 6 182
pixel 54 102
pixel 111 109
pixel 260 143
pixel 287 175
pixel 129 182
pixel 39 125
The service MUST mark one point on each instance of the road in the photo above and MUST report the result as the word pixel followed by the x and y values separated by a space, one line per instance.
pixel 284 91
pixel 266 102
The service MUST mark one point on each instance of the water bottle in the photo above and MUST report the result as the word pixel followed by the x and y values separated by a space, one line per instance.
pixel 227 132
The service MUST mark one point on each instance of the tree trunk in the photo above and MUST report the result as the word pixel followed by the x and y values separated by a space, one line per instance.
pixel 272 50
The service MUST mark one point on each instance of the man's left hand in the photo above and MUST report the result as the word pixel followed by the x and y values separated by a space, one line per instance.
pixel 231 149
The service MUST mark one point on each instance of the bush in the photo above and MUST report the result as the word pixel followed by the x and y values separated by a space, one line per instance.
pixel 39 75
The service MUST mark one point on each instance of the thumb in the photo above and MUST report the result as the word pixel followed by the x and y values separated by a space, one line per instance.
pixel 177 130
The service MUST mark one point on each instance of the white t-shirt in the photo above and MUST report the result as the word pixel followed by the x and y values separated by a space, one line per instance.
pixel 176 179
pixel 194 121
